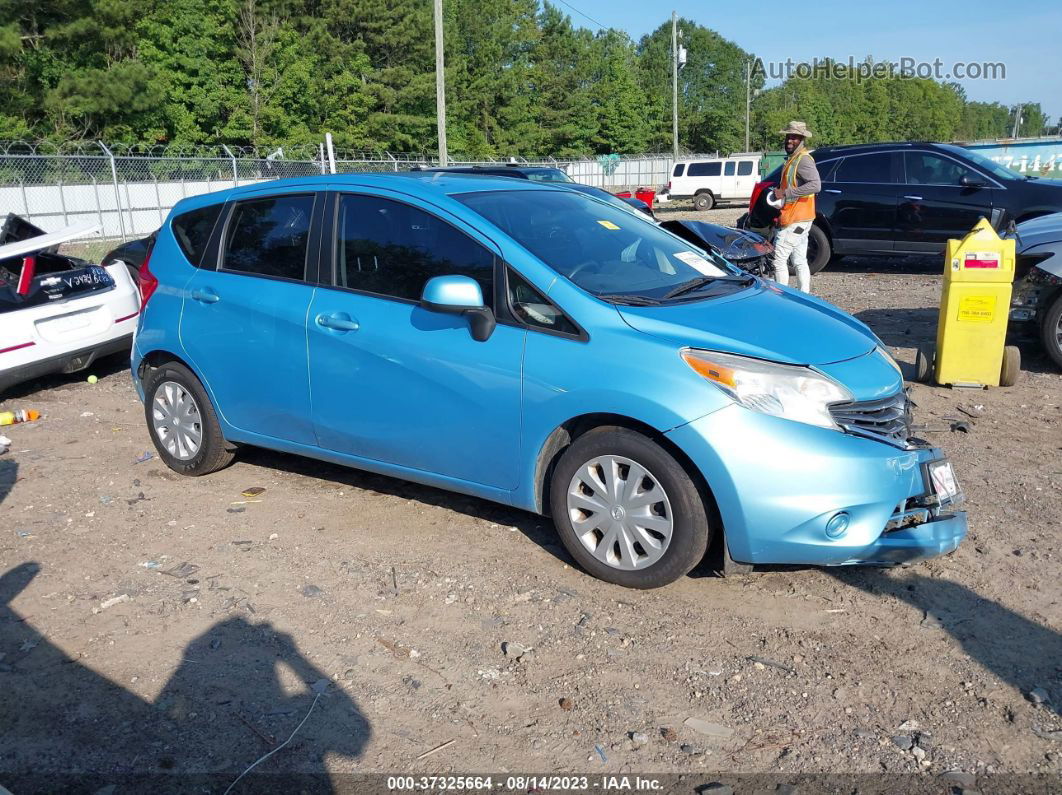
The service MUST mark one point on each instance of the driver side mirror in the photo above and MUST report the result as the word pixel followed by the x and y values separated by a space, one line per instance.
pixel 460 295
pixel 971 182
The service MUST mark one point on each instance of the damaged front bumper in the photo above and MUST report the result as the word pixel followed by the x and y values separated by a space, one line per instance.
pixel 789 493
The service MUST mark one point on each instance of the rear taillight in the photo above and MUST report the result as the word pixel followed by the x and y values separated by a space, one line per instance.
pixel 148 282
pixel 756 191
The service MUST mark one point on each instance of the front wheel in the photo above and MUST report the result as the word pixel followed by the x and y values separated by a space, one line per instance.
pixel 182 423
pixel 819 249
pixel 1051 330
pixel 626 510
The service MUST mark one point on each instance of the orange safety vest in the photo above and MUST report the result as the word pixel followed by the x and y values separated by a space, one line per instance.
pixel 802 208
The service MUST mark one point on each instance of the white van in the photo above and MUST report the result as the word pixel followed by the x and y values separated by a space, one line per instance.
pixel 714 180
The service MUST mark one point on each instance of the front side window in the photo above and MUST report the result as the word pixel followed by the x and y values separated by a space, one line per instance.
pixel 534 309
pixel 744 168
pixel 392 249
pixel 604 250
pixel 926 168
pixel 728 169
pixel 876 168
pixel 267 237
pixel 705 169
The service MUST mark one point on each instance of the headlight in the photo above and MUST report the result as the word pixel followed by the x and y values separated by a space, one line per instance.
pixel 795 393
pixel 890 360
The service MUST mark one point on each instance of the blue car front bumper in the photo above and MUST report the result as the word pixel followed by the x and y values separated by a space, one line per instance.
pixel 779 484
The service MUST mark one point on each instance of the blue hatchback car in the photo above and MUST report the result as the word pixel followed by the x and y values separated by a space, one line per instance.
pixel 534 346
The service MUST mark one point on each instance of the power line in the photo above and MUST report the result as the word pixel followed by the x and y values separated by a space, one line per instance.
pixel 580 13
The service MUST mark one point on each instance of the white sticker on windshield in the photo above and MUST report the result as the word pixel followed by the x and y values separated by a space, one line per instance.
pixel 699 263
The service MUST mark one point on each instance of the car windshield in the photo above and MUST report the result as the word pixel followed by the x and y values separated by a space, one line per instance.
pixel 548 175
pixel 609 252
pixel 987 163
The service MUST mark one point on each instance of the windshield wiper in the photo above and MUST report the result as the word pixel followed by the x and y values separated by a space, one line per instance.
pixel 632 300
pixel 702 281
pixel 689 287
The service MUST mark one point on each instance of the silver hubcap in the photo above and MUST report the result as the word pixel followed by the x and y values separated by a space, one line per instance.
pixel 620 512
pixel 175 418
pixel 1058 334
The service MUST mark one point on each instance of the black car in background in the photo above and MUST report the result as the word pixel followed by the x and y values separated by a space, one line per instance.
pixel 551 175
pixel 906 198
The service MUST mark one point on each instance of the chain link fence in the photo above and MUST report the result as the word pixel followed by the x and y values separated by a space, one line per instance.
pixel 128 191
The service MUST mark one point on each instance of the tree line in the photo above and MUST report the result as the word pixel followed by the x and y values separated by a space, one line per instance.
pixel 521 79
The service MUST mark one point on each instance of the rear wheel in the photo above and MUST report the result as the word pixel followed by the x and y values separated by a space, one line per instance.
pixel 1051 330
pixel 626 510
pixel 924 366
pixel 819 249
pixel 1011 369
pixel 182 423
pixel 704 201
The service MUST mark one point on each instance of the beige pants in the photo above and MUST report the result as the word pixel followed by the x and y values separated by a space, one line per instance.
pixel 791 246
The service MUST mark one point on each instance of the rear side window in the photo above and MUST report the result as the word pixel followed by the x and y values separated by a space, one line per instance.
pixel 744 168
pixel 705 169
pixel 679 169
pixel 192 231
pixel 268 237
pixel 392 249
pixel 876 168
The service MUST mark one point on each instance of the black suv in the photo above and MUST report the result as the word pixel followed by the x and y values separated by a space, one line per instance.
pixel 906 198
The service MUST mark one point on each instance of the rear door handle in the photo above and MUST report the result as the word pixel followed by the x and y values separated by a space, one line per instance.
pixel 913 198
pixel 831 190
pixel 337 321
pixel 207 296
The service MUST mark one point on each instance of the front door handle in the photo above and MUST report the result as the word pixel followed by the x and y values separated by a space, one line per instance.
pixel 913 198
pixel 207 296
pixel 337 321
pixel 831 190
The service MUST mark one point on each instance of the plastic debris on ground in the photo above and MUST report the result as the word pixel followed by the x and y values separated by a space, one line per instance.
pixel 5 444
pixel 140 459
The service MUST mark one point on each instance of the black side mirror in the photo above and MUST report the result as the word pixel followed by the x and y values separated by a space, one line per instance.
pixel 971 182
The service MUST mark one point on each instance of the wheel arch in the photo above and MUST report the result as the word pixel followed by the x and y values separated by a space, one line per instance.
pixel 567 432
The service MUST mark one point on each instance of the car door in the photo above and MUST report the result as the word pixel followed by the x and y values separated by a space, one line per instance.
pixel 243 322
pixel 745 179
pixel 862 191
pixel 935 204
pixel 728 185
pixel 395 382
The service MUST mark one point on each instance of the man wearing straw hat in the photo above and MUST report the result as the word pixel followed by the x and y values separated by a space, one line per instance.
pixel 795 197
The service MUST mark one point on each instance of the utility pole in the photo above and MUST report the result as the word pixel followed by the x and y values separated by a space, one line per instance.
pixel 748 100
pixel 674 82
pixel 440 83
pixel 1017 120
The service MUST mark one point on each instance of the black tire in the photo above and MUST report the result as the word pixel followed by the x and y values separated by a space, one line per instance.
pixel 819 250
pixel 1011 368
pixel 690 531
pixel 214 452
pixel 924 366
pixel 704 201
pixel 1051 330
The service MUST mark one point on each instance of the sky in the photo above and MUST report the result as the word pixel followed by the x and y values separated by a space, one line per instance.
pixel 1021 34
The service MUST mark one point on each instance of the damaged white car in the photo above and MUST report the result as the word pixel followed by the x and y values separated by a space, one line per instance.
pixel 58 314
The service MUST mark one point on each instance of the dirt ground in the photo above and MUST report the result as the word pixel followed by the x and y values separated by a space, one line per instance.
pixel 151 623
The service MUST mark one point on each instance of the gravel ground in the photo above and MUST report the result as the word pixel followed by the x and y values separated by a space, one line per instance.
pixel 151 623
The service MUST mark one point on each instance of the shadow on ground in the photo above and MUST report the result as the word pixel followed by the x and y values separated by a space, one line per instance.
pixel 238 693
pixel 1016 650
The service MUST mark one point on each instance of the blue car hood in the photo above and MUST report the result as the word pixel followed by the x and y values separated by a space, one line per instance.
pixel 762 321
